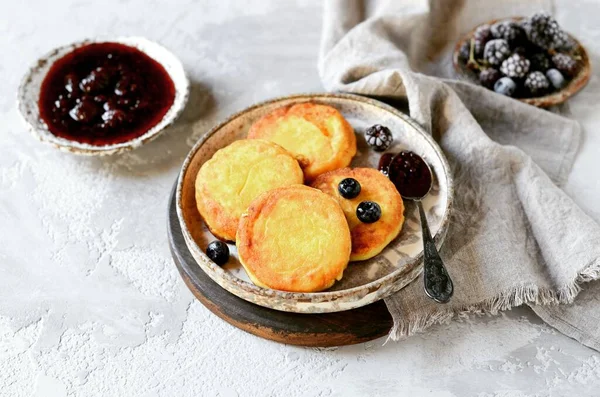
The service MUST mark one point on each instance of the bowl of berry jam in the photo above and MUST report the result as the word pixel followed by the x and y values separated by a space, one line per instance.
pixel 531 59
pixel 99 97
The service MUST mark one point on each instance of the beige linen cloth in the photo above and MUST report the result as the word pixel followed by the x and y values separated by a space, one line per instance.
pixel 515 236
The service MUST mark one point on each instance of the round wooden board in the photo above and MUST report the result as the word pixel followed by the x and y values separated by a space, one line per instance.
pixel 316 330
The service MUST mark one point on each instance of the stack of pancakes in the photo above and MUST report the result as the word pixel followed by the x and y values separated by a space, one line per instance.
pixel 290 236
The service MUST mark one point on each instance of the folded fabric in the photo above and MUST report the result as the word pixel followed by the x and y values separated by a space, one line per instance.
pixel 515 237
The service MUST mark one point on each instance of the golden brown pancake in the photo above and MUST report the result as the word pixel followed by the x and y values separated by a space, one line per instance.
pixel 318 135
pixel 368 239
pixel 294 238
pixel 236 175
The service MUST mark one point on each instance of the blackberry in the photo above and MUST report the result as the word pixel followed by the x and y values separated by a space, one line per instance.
pixel 567 44
pixel 349 188
pixel 368 212
pixel 505 86
pixel 539 62
pixel 480 37
pixel 509 31
pixel 496 51
pixel 556 78
pixel 565 63
pixel 515 66
pixel 488 77
pixel 520 50
pixel 526 26
pixel 379 137
pixel 543 31
pixel 218 252
pixel 536 83
pixel 465 51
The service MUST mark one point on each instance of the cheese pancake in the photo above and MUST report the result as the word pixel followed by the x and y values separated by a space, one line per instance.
pixel 236 175
pixel 294 238
pixel 368 239
pixel 318 135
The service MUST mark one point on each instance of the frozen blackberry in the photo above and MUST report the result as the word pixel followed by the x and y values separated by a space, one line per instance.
pixel 496 51
pixel 536 83
pixel 488 77
pixel 521 50
pixel 509 31
pixel 379 137
pixel 505 86
pixel 565 63
pixel 540 62
pixel 543 31
pixel 465 51
pixel 556 78
pixel 567 44
pixel 480 37
pixel 515 66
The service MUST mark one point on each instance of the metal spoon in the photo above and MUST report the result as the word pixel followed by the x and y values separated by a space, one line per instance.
pixel 438 284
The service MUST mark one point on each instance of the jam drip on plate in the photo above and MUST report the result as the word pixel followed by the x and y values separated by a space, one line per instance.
pixel 105 93
pixel 408 172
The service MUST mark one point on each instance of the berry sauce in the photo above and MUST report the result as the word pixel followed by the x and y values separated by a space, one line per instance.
pixel 408 172
pixel 105 93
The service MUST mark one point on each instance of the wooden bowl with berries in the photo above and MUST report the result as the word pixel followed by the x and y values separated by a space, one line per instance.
pixel 527 58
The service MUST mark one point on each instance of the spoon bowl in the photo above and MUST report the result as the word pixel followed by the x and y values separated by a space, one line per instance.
pixel 412 177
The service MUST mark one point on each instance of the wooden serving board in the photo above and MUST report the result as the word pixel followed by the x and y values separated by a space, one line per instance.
pixel 316 330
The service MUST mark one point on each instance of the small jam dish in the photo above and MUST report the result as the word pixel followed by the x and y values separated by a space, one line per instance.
pixel 145 118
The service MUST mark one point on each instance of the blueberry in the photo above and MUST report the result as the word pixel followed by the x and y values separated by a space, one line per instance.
pixel 368 212
pixel 218 252
pixel 505 86
pixel 349 188
pixel 556 78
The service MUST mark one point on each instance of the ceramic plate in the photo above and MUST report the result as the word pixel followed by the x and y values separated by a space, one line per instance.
pixel 363 282
pixel 574 86
pixel 29 93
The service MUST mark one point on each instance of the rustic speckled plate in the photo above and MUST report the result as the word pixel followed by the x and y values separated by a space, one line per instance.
pixel 574 86
pixel 363 282
pixel 29 93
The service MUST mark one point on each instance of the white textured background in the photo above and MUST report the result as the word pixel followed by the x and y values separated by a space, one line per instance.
pixel 90 302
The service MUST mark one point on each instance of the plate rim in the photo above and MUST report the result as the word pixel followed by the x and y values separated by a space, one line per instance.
pixel 44 135
pixel 218 274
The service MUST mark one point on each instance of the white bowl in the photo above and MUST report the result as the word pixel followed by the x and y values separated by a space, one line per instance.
pixel 29 94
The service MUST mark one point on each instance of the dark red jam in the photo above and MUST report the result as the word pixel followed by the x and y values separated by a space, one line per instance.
pixel 408 172
pixel 105 93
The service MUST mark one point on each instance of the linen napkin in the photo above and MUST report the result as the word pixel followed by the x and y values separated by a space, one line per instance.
pixel 515 237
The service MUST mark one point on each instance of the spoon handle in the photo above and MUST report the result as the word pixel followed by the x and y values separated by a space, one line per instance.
pixel 438 284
